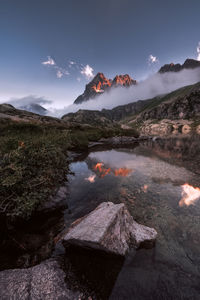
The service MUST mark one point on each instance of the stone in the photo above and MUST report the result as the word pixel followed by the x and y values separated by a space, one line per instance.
pixel 56 201
pixel 109 228
pixel 186 129
pixel 44 281
pixel 198 129
pixel 118 140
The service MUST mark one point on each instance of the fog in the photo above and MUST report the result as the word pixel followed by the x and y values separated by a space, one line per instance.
pixel 154 85
pixel 26 101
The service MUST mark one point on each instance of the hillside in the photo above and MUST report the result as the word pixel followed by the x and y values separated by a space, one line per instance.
pixel 181 104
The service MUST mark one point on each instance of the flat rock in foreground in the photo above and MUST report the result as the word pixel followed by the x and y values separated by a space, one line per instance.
pixel 44 281
pixel 110 228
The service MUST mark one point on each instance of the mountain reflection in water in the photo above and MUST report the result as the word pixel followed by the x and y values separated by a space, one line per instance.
pixel 161 189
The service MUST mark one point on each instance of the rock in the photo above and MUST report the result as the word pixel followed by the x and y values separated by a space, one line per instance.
pixel 198 129
pixel 160 129
pixel 109 228
pixel 185 106
pixel 44 281
pixel 55 202
pixel 118 140
pixel 123 80
pixel 186 129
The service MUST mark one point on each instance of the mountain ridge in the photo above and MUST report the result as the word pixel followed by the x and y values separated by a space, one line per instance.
pixel 146 109
pixel 189 63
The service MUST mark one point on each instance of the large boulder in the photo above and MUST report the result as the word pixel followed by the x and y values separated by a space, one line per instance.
pixel 45 281
pixel 109 228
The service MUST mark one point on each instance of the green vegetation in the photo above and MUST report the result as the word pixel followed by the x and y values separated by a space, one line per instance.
pixel 33 161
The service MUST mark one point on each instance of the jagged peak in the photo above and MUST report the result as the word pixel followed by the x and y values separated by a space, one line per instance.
pixel 188 64
pixel 99 84
pixel 124 80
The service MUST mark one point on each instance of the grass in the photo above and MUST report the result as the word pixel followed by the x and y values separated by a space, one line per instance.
pixel 33 161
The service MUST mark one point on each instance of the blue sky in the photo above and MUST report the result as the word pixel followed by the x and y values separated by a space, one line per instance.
pixel 109 36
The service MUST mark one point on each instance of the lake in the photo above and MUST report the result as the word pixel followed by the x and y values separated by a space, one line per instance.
pixel 159 181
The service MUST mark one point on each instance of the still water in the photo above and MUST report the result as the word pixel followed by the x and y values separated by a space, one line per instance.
pixel 159 181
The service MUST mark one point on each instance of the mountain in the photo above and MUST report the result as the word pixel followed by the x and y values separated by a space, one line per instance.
pixel 34 108
pixel 188 64
pixel 174 109
pixel 100 84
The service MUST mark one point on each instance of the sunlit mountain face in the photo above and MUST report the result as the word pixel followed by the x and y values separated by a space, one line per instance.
pixel 100 84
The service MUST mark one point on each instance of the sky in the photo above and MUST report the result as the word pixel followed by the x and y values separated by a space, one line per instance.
pixel 51 49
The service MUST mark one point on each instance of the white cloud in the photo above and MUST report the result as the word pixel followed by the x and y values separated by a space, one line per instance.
pixel 152 59
pixel 59 74
pixel 198 51
pixel 87 71
pixel 24 101
pixel 49 61
pixel 71 63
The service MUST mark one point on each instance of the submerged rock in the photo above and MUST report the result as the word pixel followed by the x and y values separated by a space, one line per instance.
pixel 119 140
pixel 109 228
pixel 44 281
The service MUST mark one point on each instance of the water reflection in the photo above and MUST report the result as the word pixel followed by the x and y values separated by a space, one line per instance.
pixel 190 195
pixel 162 181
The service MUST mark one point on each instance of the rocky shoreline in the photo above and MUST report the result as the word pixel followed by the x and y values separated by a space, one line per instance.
pixel 109 230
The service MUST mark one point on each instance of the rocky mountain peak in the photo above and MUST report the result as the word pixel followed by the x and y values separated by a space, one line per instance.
pixel 188 64
pixel 191 63
pixel 100 84
pixel 123 80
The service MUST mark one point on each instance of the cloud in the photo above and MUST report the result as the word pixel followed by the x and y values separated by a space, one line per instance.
pixel 154 85
pixel 60 72
pixel 152 59
pixel 27 103
pixel 50 61
pixel 198 51
pixel 87 71
pixel 17 102
pixel 71 63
